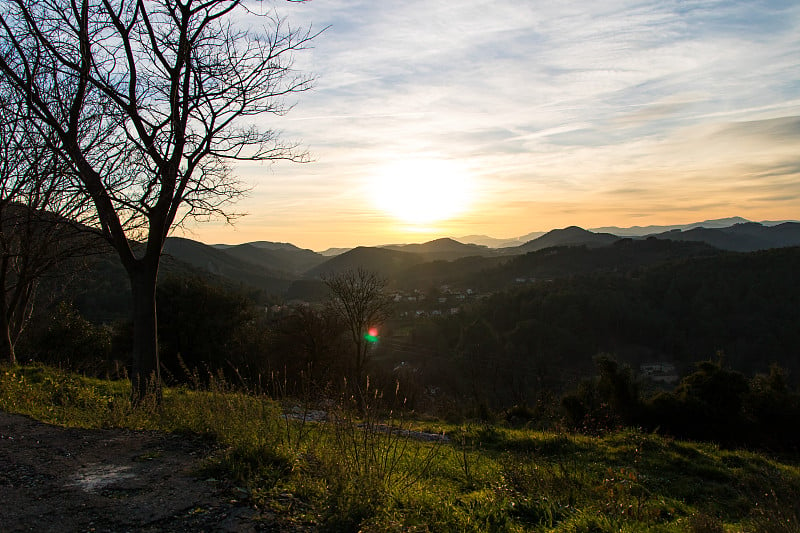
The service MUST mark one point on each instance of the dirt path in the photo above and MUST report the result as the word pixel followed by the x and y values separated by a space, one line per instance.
pixel 61 479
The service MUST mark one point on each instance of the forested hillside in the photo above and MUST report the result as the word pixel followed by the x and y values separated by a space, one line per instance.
pixel 740 307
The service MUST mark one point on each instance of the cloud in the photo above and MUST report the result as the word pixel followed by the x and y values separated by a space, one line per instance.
pixel 568 103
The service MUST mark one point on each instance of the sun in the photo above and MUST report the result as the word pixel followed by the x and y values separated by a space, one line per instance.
pixel 422 191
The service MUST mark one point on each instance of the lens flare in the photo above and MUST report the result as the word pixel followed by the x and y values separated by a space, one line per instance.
pixel 371 335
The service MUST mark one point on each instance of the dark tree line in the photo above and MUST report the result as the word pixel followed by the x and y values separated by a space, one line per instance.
pixel 711 403
pixel 527 346
pixel 744 305
pixel 208 327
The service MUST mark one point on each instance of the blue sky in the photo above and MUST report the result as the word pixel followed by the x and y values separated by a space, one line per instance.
pixel 517 116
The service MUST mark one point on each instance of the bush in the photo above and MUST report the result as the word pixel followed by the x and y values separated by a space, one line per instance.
pixel 607 402
pixel 706 405
pixel 72 342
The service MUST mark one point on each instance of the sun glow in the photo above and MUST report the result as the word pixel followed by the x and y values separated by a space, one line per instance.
pixel 422 191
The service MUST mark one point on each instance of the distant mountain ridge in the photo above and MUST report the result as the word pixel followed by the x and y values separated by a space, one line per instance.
pixel 273 266
pixel 632 231
pixel 491 242
pixel 268 270
pixel 641 231
pixel 742 237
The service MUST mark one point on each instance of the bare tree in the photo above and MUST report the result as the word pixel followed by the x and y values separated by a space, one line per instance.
pixel 150 101
pixel 359 299
pixel 38 214
pixel 309 343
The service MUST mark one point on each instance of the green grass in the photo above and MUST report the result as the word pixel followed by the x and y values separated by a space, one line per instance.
pixel 350 474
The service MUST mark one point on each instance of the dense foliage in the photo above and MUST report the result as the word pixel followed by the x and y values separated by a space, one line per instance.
pixel 711 403
pixel 743 306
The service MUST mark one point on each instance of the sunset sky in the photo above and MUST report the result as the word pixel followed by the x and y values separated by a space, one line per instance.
pixel 503 117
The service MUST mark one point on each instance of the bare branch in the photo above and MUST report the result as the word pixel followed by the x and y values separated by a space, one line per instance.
pixel 148 100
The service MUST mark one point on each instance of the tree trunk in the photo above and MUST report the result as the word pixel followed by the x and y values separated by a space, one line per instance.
pixel 6 344
pixel 145 367
pixel 360 357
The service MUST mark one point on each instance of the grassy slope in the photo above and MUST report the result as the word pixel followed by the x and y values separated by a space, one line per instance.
pixel 353 475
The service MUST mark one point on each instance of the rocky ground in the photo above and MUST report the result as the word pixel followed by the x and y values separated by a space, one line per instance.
pixel 62 479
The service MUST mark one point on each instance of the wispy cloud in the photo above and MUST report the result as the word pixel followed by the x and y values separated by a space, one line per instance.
pixel 579 109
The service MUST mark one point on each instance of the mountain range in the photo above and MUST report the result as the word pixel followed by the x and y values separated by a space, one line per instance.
pixel 277 267
pixel 274 272
pixel 640 231
pixel 632 231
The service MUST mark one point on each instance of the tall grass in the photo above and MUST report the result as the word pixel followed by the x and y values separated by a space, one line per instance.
pixel 375 460
pixel 358 469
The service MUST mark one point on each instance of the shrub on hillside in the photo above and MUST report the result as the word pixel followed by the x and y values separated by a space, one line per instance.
pixel 72 342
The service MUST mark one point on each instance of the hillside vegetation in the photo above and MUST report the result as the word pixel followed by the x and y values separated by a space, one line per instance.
pixel 352 472
pixel 503 392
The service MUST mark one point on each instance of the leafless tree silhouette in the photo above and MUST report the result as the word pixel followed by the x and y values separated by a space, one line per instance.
pixel 38 216
pixel 359 299
pixel 150 101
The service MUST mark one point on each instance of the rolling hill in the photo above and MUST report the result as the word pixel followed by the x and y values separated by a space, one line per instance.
pixel 622 257
pixel 442 249
pixel 222 263
pixel 280 257
pixel 387 263
pixel 570 236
